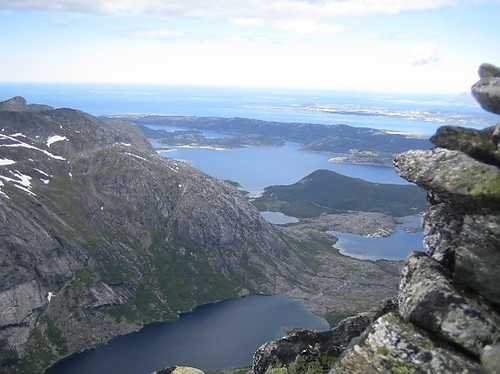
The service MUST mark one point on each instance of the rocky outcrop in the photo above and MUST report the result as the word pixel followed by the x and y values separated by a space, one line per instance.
pixel 179 370
pixel 487 89
pixel 448 304
pixel 313 344
pixel 447 318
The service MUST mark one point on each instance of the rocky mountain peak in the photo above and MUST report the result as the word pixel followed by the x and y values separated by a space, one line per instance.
pixel 16 103
pixel 19 104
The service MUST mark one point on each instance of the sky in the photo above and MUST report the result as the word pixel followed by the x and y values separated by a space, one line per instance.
pixel 361 45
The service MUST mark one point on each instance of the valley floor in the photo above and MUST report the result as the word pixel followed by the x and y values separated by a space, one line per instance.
pixel 336 283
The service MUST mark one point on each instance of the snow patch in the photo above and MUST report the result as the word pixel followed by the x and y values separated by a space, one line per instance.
pixel 136 156
pixel 6 161
pixel 50 295
pixel 19 143
pixel 22 181
pixel 174 170
pixel 1 192
pixel 42 172
pixel 55 138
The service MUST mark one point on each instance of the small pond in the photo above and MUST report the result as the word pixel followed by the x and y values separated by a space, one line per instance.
pixel 407 238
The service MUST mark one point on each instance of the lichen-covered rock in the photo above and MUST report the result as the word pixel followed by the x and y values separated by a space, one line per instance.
pixel 430 300
pixel 480 145
pixel 452 238
pixel 452 175
pixel 390 345
pixel 179 370
pixel 487 89
pixel 282 352
pixel 491 359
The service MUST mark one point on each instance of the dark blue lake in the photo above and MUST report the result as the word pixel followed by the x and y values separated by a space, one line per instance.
pixel 214 336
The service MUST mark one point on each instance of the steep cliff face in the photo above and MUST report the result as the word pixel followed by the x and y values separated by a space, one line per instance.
pixel 446 316
pixel 99 234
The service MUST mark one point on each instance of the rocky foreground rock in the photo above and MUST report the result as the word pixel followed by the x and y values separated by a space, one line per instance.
pixel 446 317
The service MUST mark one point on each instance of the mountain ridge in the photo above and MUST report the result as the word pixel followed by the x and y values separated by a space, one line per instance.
pixel 89 210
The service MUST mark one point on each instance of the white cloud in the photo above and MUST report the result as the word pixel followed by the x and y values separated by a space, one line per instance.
pixel 245 21
pixel 423 54
pixel 228 8
pixel 307 27
pixel 161 34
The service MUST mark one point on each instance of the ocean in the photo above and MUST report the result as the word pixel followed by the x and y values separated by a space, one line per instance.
pixel 409 113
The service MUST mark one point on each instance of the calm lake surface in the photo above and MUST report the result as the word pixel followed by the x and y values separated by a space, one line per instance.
pixel 256 168
pixel 278 218
pixel 213 336
pixel 394 247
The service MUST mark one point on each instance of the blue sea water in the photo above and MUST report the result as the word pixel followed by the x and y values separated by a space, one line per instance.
pixel 413 113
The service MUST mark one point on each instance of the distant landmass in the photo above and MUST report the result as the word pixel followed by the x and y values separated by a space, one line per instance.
pixel 325 191
pixel 357 144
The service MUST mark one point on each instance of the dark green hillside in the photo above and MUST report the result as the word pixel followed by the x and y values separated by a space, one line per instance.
pixel 325 191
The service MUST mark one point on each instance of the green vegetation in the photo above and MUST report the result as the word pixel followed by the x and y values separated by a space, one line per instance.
pixel 312 364
pixel 7 356
pixel 398 368
pixel 245 370
pixel 45 345
pixel 325 191
pixel 278 371
pixel 84 276
pixel 382 351
pixel 54 336
pixel 333 318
